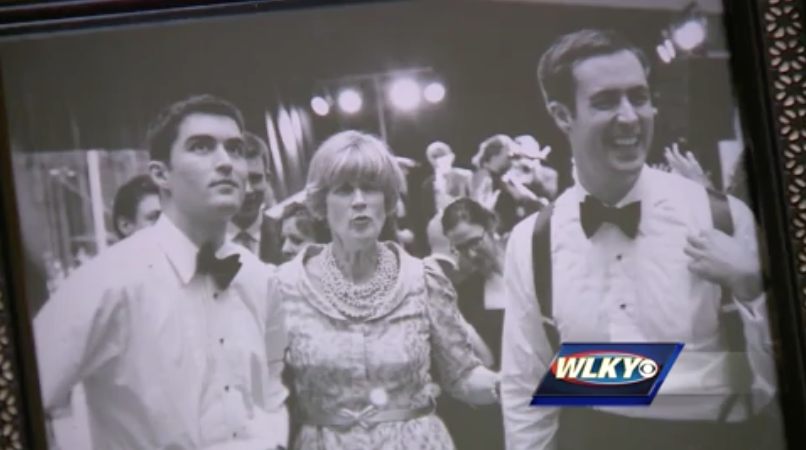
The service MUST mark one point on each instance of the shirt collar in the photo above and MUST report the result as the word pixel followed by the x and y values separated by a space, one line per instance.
pixel 180 250
pixel 640 191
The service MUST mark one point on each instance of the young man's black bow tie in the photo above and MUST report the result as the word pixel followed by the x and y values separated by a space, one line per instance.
pixel 593 213
pixel 223 270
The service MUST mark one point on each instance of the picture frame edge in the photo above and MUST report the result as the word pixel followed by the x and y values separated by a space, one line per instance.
pixel 780 62
pixel 782 31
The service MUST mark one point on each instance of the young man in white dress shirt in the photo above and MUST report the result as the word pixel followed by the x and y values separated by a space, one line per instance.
pixel 172 331
pixel 655 278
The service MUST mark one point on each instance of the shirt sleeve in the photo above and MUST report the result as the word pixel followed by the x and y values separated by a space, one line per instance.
pixel 526 353
pixel 80 329
pixel 276 344
pixel 273 422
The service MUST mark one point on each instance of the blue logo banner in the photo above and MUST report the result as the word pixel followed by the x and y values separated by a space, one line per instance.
pixel 606 374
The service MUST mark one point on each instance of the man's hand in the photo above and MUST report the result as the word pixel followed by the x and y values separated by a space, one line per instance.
pixel 722 259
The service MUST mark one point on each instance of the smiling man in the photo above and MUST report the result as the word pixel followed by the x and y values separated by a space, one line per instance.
pixel 172 331
pixel 627 255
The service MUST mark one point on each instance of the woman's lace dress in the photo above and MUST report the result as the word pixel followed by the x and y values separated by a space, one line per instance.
pixel 341 366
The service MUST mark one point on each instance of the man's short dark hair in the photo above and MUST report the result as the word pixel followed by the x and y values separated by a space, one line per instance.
pixel 556 66
pixel 128 198
pixel 163 130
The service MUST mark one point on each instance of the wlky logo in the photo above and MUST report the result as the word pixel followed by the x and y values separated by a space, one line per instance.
pixel 606 374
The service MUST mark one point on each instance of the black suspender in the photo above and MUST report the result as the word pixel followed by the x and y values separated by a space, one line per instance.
pixel 541 268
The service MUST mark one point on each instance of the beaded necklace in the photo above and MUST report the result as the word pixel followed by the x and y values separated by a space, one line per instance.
pixel 358 301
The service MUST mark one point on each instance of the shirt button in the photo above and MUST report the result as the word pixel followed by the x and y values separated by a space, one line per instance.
pixel 234 435
pixel 221 341
pixel 618 257
pixel 226 388
pixel 623 306
pixel 215 295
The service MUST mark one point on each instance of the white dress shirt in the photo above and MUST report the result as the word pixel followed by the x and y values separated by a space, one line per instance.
pixel 495 295
pixel 253 233
pixel 613 289
pixel 168 362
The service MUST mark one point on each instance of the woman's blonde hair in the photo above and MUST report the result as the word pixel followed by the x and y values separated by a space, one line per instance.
pixel 352 156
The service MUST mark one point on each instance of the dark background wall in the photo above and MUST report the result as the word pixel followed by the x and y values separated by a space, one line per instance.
pixel 99 90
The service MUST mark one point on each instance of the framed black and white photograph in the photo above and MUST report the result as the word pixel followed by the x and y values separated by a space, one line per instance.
pixel 369 225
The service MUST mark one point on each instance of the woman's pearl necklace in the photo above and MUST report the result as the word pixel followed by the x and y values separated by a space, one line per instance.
pixel 358 301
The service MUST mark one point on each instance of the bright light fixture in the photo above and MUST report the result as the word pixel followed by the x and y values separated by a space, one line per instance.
pixel 405 94
pixel 350 101
pixel 434 92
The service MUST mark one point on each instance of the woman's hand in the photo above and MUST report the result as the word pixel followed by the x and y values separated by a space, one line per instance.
pixel 478 387
pixel 722 259
pixel 686 166
pixel 663 167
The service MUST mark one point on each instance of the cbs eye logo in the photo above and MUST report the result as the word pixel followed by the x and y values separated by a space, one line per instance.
pixel 648 368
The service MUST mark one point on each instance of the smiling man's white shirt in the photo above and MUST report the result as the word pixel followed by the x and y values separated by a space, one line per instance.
pixel 612 289
pixel 166 358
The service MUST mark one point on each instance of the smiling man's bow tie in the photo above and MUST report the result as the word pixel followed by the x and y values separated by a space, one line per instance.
pixel 593 213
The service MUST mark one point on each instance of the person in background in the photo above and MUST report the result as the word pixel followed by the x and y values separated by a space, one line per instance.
pixel 544 179
pixel 366 320
pixel 441 249
pixel 737 183
pixel 136 206
pixel 249 227
pixel 522 175
pixel 176 339
pixel 471 231
pixel 686 165
pixel 494 188
pixel 402 219
pixel 299 228
pixel 634 256
pixel 445 184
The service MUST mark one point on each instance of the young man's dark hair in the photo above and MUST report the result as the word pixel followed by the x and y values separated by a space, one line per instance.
pixel 162 131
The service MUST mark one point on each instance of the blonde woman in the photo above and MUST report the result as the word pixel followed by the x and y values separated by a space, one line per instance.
pixel 365 319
